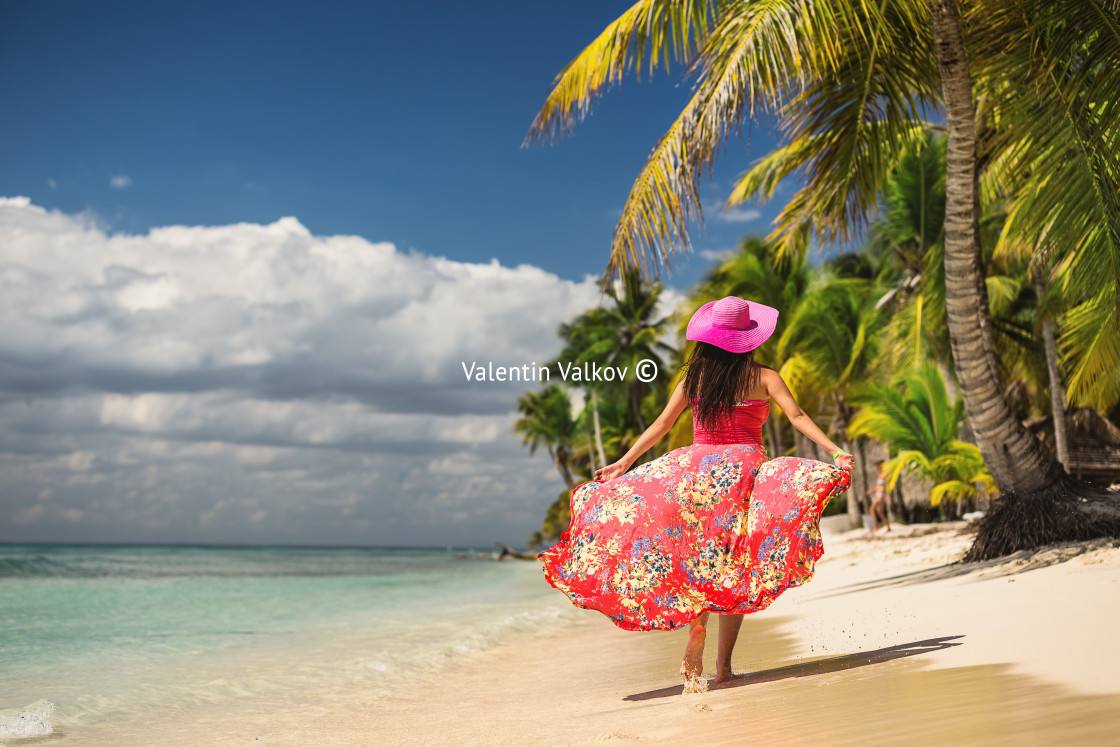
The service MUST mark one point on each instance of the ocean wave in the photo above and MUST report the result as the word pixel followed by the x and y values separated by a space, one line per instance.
pixel 473 637
pixel 179 562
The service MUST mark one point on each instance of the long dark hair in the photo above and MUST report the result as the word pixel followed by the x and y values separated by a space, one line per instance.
pixel 714 379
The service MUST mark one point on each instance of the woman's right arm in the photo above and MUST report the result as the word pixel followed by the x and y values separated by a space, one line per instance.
pixel 658 428
pixel 778 391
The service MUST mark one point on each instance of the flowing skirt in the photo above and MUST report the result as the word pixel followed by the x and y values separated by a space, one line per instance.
pixel 705 527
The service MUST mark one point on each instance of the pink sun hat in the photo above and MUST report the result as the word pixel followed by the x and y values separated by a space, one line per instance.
pixel 733 324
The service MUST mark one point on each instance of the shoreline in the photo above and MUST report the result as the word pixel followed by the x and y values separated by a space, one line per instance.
pixel 890 641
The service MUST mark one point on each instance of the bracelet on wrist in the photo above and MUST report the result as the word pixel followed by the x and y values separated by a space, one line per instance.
pixel 838 454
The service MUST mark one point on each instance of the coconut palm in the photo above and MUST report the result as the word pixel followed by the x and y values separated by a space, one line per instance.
pixel 546 420
pixel 851 85
pixel 581 336
pixel 830 344
pixel 1056 154
pixel 915 416
pixel 622 333
pixel 907 238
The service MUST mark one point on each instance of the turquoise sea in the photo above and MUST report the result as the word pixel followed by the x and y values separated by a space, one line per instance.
pixel 113 634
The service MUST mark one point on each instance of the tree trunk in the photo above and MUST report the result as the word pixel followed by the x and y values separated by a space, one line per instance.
pixel 1057 395
pixel 598 430
pixel 565 473
pixel 636 406
pixel 591 453
pixel 857 489
pixel 772 434
pixel 863 462
pixel 560 460
pixel 1016 459
pixel 802 446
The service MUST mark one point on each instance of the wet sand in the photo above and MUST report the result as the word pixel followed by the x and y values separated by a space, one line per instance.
pixel 891 642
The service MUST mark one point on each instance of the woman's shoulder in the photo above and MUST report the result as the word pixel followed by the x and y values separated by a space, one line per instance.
pixel 760 390
pixel 769 379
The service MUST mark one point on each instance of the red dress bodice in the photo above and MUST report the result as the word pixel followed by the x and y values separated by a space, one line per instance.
pixel 744 426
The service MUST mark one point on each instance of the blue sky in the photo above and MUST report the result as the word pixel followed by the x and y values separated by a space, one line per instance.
pixel 247 249
pixel 398 122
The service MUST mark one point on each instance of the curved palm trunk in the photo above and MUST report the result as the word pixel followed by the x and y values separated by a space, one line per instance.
pixel 565 473
pixel 1016 459
pixel 560 459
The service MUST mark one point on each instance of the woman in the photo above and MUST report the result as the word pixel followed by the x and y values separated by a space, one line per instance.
pixel 711 527
pixel 878 495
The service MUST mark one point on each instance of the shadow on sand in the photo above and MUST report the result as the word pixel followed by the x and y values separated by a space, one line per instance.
pixel 1008 565
pixel 819 666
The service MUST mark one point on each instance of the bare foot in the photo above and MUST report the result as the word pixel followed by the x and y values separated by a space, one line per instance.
pixel 726 675
pixel 693 664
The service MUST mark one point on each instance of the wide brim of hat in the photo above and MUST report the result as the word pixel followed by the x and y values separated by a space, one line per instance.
pixel 763 321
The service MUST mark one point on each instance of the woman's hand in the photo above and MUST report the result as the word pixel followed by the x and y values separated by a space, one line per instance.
pixel 611 471
pixel 847 462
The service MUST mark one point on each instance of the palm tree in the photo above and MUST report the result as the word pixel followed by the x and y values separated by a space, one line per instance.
pixel 851 84
pixel 907 239
pixel 1054 36
pixel 620 334
pixel 1056 153
pixel 546 419
pixel 915 416
pixel 582 335
pixel 831 341
pixel 640 335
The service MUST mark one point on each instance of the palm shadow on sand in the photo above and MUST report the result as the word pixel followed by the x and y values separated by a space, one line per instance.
pixel 818 666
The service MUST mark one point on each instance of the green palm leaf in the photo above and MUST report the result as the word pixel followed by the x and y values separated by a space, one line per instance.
pixel 650 32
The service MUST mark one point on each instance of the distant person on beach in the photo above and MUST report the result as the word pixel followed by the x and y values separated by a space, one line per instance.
pixel 712 527
pixel 879 498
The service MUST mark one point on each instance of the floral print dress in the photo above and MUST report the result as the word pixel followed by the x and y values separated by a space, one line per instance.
pixel 713 526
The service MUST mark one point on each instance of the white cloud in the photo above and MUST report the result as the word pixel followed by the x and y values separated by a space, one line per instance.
pixel 716 255
pixel 51 183
pixel 120 181
pixel 310 385
pixel 738 215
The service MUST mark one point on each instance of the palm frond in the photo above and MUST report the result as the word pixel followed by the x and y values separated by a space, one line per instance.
pixel 846 131
pixel 1092 351
pixel 747 60
pixel 1053 69
pixel 650 32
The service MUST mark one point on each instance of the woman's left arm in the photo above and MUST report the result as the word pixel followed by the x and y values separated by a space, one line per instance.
pixel 653 434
